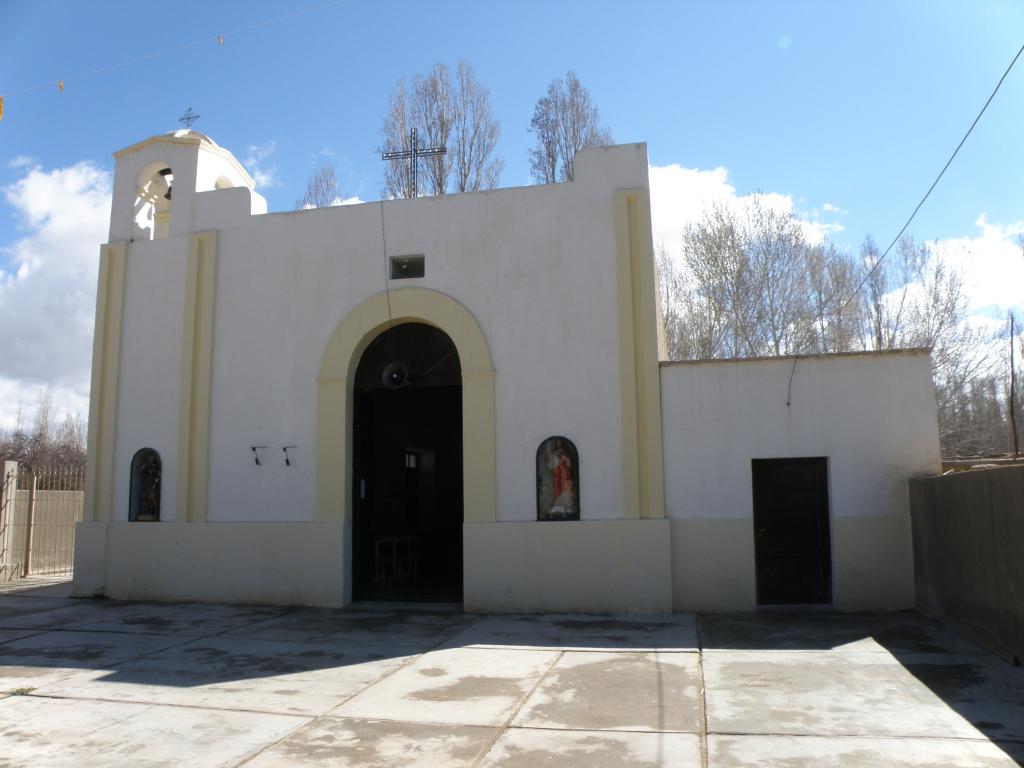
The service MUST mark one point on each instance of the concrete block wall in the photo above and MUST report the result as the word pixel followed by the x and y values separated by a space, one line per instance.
pixel 968 532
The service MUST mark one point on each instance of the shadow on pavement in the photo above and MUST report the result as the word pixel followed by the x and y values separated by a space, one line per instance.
pixel 900 674
pixel 982 689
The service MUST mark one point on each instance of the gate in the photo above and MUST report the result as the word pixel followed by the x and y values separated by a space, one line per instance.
pixel 38 512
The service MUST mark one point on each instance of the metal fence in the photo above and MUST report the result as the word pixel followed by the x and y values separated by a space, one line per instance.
pixel 38 512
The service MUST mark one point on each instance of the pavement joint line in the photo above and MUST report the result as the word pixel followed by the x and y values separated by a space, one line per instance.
pixel 703 705
pixel 32 633
pixel 129 658
pixel 74 672
pixel 578 649
pixel 413 658
pixel 70 673
pixel 553 649
pixel 504 728
pixel 4 593
pixel 384 719
pixel 143 707
pixel 205 636
pixel 554 729
pixel 874 736
pixel 146 706
pixel 78 628
pixel 257 622
pixel 72 628
pixel 274 743
pixel 172 704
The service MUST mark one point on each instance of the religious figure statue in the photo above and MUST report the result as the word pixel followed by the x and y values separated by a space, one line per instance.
pixel 557 480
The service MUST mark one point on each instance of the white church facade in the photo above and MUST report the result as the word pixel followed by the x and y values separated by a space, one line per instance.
pixel 461 399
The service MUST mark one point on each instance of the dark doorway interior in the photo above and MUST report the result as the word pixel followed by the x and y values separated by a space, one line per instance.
pixel 791 526
pixel 407 440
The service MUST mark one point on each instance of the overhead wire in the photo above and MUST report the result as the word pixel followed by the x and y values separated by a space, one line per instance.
pixel 820 330
pixel 906 225
pixel 217 39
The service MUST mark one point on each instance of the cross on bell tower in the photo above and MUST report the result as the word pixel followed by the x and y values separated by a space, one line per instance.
pixel 412 155
pixel 188 118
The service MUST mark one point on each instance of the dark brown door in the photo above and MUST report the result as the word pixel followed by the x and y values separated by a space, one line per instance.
pixel 791 527
pixel 407 478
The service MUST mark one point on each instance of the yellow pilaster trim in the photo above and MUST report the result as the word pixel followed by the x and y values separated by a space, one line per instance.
pixel 196 365
pixel 333 447
pixel 479 480
pixel 639 377
pixel 106 365
pixel 335 396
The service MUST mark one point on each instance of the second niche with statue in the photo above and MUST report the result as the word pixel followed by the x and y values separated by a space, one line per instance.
pixel 558 480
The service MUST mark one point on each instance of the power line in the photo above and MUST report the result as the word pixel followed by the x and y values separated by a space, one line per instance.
pixel 878 262
pixel 218 39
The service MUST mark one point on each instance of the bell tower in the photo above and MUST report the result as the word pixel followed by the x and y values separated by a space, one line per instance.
pixel 158 183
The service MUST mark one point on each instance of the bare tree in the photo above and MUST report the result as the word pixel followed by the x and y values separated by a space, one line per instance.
pixel 476 135
pixel 46 444
pixel 692 331
pixel 565 121
pixel 777 253
pixel 722 284
pixel 322 191
pixel 433 113
pixel 747 282
pixel 395 132
pixel 448 110
pixel 671 293
pixel 750 284
pixel 890 288
pixel 836 305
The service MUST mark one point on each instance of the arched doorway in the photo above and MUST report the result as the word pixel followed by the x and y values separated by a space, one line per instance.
pixel 407 467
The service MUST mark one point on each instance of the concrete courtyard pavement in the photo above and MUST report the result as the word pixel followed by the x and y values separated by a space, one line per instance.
pixel 107 683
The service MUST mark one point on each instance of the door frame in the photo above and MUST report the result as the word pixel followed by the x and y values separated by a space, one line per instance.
pixel 361 472
pixel 335 390
pixel 826 537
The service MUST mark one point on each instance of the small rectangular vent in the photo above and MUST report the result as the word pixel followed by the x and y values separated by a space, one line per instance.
pixel 404 267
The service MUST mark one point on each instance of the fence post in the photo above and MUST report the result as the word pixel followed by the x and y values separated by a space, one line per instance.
pixel 29 519
pixel 7 509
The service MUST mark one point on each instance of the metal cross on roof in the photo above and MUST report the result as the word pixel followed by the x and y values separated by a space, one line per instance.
pixel 188 118
pixel 413 154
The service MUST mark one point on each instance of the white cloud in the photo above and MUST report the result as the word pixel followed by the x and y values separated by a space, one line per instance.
pixel 992 264
pixel 680 196
pixel 335 202
pixel 19 162
pixel 263 172
pixel 817 231
pixel 48 288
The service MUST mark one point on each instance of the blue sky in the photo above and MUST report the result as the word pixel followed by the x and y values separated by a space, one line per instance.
pixel 848 110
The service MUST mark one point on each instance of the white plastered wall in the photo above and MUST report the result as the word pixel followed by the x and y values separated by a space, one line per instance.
pixel 149 379
pixel 536 268
pixel 872 415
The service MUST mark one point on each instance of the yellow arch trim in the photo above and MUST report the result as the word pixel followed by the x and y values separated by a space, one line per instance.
pixel 335 395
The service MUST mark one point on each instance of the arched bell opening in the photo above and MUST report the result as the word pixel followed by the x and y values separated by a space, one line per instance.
pixel 153 198
pixel 407 467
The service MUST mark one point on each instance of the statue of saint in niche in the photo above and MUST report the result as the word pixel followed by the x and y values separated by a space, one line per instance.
pixel 558 480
